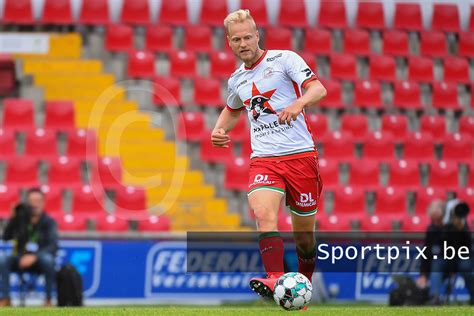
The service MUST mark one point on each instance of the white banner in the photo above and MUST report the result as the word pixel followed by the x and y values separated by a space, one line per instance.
pixel 20 43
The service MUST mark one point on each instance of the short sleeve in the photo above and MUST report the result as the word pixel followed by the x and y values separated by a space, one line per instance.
pixel 298 70
pixel 233 101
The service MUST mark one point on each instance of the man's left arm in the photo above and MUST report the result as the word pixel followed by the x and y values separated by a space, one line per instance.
pixel 315 92
pixel 51 238
pixel 302 78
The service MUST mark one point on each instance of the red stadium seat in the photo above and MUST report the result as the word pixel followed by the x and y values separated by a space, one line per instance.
pixel 317 123
pixel 379 146
pixel 70 222
pixel 445 17
pixel 329 170
pixel 222 64
pixel 375 223
pixel 207 92
pixel 135 12
pixel 349 201
pixel 167 92
pixel 407 95
pixel 433 44
pixel 278 37
pixel 57 12
pixel 141 64
pixel 9 196
pixel 333 223
pixel 466 43
pixel 382 68
pixel 419 146
pixel 213 12
pixel 110 223
pixel 53 200
pixel 129 198
pixel 183 64
pixel 318 41
pixel 198 38
pixel 445 96
pixel 64 171
pixel 370 15
pixel 356 124
pixel 356 42
pixel 22 170
pixel 424 196
pixel 82 144
pixel 364 174
pixel 17 113
pixel 458 147
pixel 368 94
pixel 94 12
pixel 338 145
pixel 408 17
pixel 191 126
pixel 443 174
pixel 390 201
pixel 333 98
pixel 237 175
pixel 343 66
pixel 211 154
pixel 18 12
pixel 119 38
pixel 88 199
pixel 107 171
pixel 420 69
pixel 395 124
pixel 7 143
pixel 59 115
pixel 466 125
pixel 395 43
pixel 41 144
pixel 159 38
pixel 246 147
pixel 292 13
pixel 174 12
pixel 258 9
pixel 456 69
pixel 154 223
pixel 415 223
pixel 284 222
pixel 404 174
pixel 434 125
pixel 332 14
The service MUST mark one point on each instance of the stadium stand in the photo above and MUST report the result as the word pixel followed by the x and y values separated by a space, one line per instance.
pixel 393 111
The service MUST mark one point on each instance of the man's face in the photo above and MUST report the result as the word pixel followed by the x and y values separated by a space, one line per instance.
pixel 36 201
pixel 243 40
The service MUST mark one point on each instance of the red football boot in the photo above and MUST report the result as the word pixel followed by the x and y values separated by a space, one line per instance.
pixel 264 286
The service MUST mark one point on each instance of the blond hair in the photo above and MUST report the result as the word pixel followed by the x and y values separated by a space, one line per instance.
pixel 239 16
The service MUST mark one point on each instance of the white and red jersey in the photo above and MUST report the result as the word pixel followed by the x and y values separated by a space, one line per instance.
pixel 273 83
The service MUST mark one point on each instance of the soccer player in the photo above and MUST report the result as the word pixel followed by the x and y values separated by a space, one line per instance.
pixel 269 85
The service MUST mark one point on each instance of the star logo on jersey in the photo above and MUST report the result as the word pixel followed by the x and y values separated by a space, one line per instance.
pixel 258 103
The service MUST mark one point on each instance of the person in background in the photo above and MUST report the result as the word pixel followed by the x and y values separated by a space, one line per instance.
pixel 35 242
pixel 432 239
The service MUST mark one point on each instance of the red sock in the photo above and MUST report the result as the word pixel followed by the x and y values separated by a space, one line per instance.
pixel 272 251
pixel 306 263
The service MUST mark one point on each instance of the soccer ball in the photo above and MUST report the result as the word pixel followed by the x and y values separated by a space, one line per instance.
pixel 292 291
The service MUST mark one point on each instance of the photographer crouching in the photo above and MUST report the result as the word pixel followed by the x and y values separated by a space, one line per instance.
pixel 35 242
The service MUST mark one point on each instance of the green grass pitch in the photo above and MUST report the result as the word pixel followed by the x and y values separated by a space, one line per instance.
pixel 336 310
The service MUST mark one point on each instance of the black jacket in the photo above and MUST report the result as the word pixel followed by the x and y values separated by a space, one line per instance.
pixel 433 237
pixel 46 230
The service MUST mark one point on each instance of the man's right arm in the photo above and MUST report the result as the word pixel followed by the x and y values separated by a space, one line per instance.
pixel 225 123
